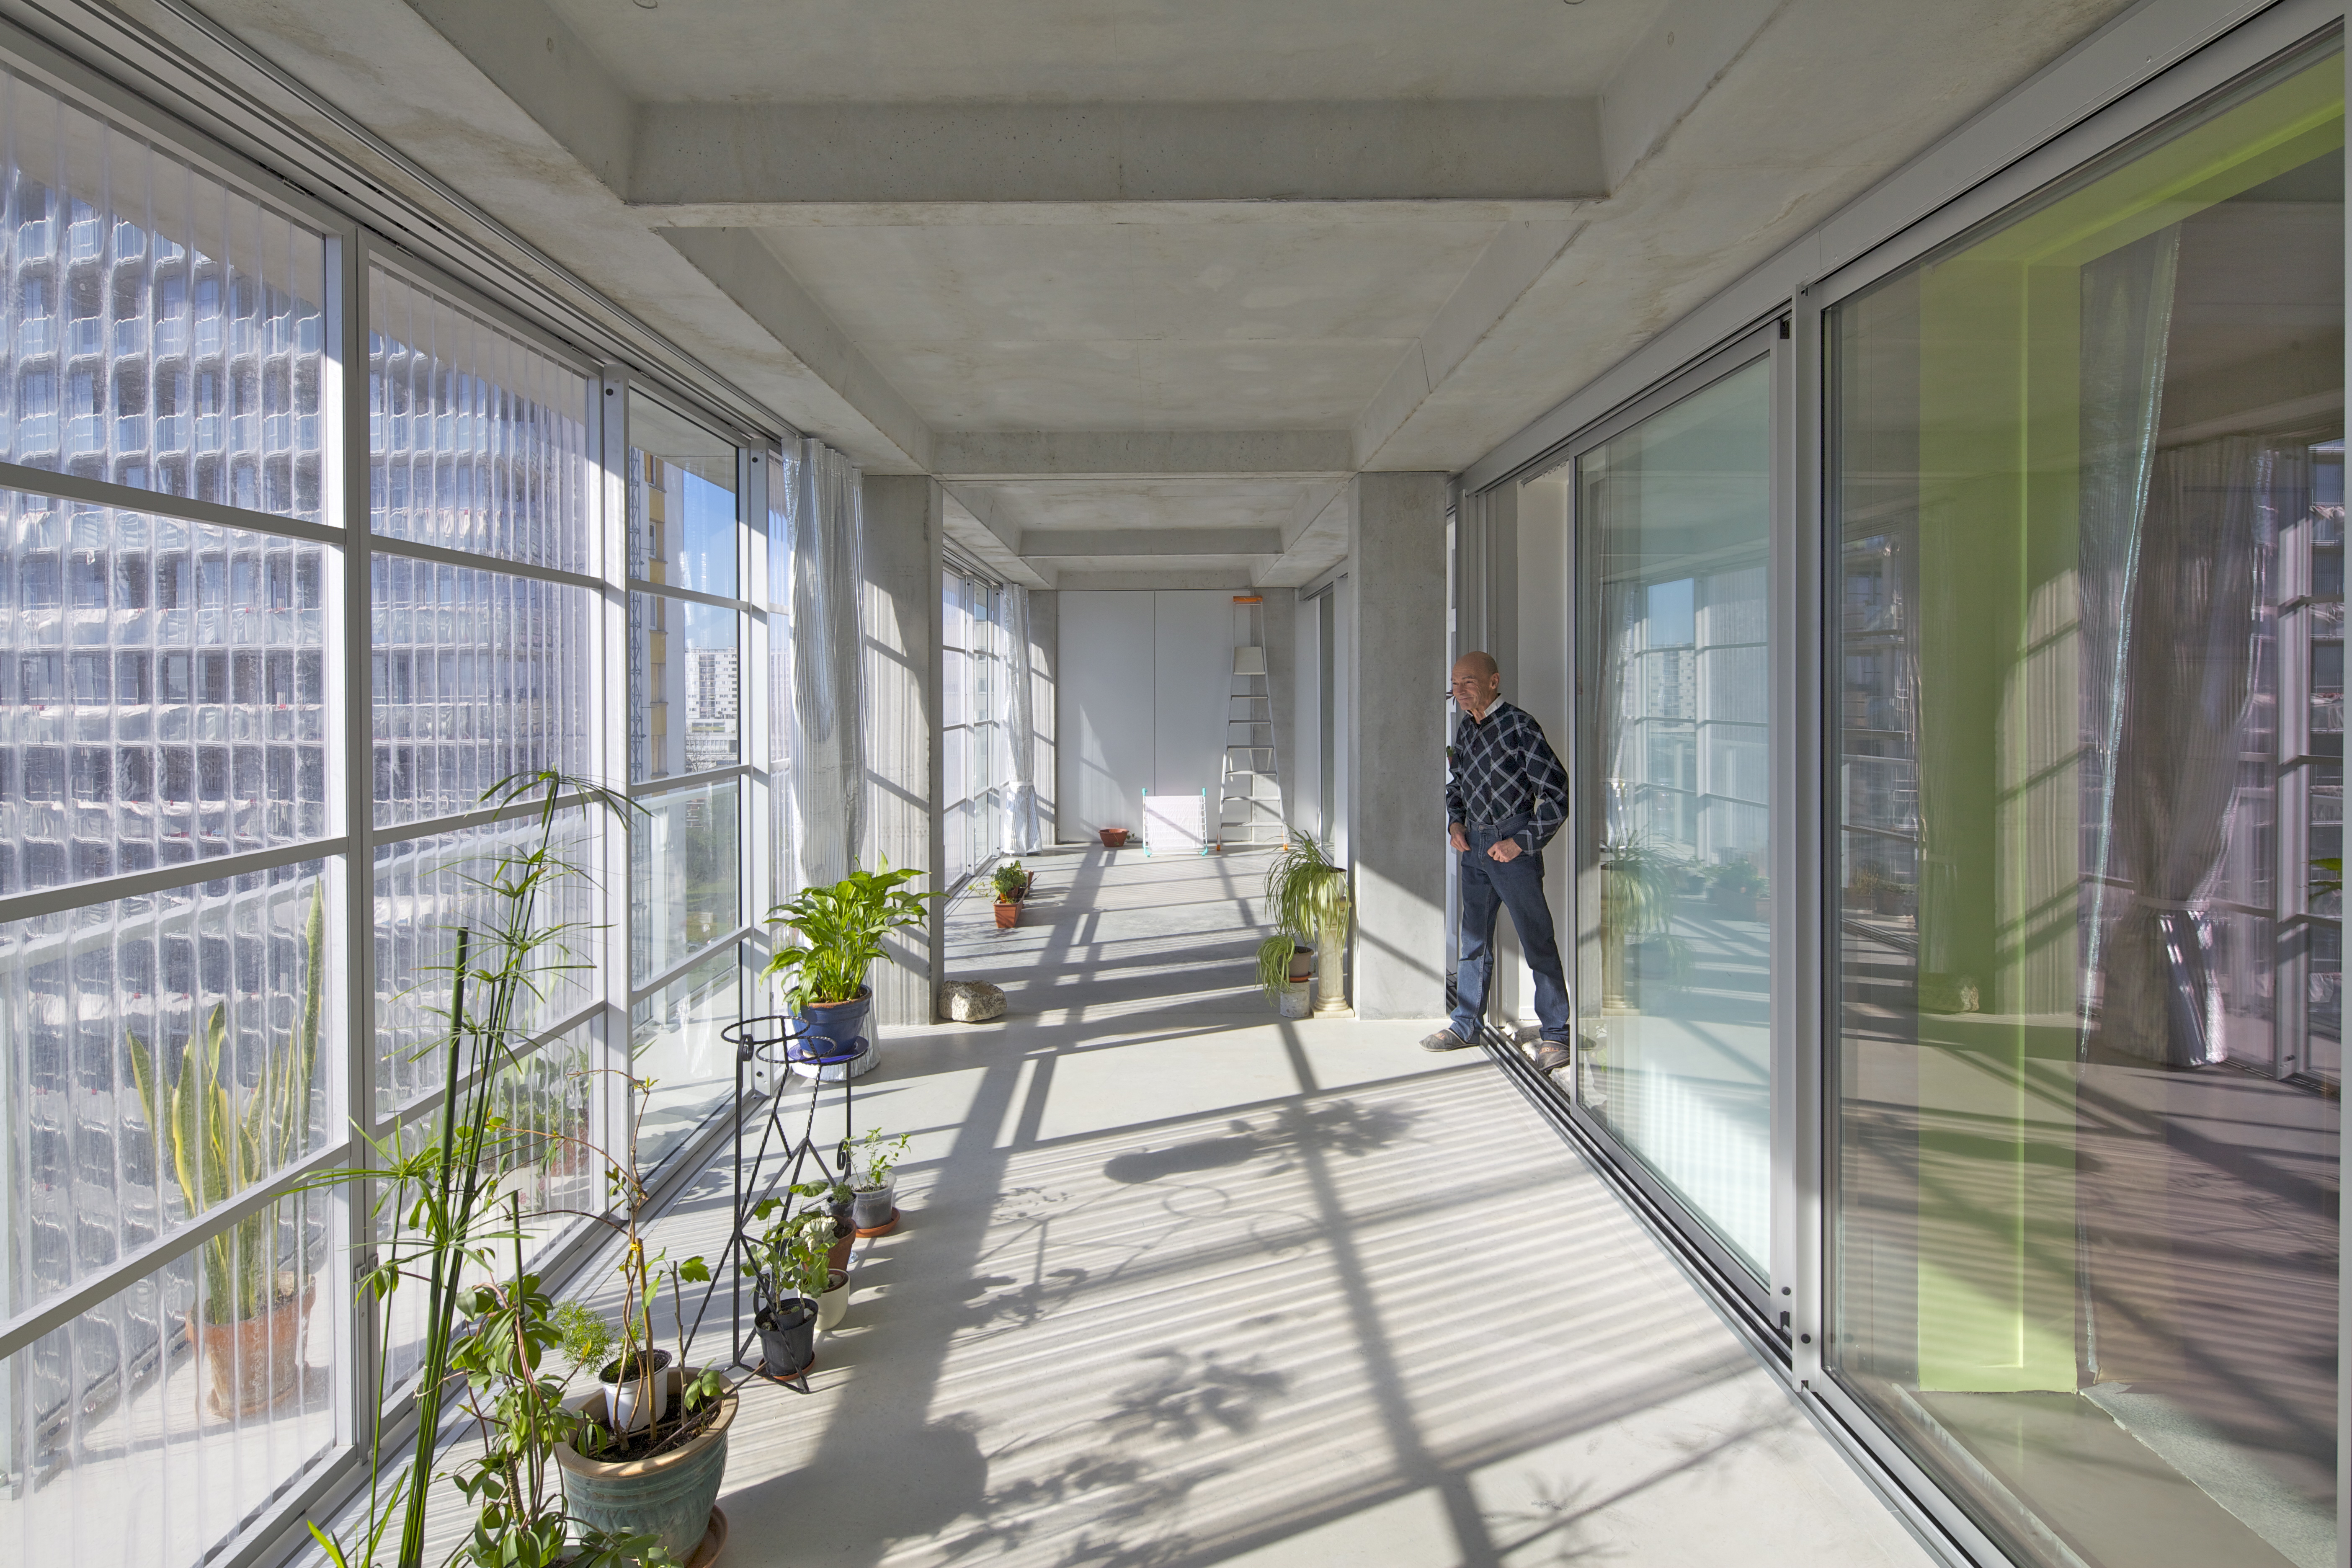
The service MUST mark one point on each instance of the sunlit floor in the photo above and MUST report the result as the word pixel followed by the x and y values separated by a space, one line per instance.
pixel 1180 1283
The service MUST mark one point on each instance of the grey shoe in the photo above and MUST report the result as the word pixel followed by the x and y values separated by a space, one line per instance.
pixel 1445 1040
pixel 1551 1056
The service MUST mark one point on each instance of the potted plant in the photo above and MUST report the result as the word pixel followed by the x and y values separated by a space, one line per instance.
pixel 839 932
pixel 1637 890
pixel 433 1191
pixel 220 1137
pixel 790 1270
pixel 1011 884
pixel 1285 972
pixel 869 1163
pixel 1736 889
pixel 1308 895
pixel 1113 837
pixel 840 1205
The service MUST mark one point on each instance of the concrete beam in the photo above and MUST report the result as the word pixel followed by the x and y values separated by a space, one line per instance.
pixel 690 155
pixel 1139 454
pixel 1227 580
pixel 748 273
pixel 1047 544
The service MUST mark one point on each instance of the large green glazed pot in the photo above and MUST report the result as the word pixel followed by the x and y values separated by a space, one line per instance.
pixel 670 1495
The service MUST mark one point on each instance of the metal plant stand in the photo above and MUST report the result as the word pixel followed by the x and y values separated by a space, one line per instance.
pixel 768 1041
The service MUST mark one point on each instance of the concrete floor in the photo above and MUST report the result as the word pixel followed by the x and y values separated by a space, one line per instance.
pixel 1180 1283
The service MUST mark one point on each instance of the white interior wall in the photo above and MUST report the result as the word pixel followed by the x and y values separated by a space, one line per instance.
pixel 1144 679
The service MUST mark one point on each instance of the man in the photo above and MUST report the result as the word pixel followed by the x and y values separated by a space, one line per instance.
pixel 1505 796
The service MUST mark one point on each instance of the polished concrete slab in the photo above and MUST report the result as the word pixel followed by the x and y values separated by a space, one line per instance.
pixel 1178 1282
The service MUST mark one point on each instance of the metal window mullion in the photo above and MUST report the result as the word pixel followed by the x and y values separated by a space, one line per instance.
pixel 756 891
pixel 158 503
pixel 696 595
pixel 652 789
pixel 742 933
pixel 142 884
pixel 609 1107
pixel 60 1310
pixel 349 459
pixel 463 821
pixel 441 554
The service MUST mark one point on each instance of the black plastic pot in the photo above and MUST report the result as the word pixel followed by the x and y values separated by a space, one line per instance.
pixel 787 1335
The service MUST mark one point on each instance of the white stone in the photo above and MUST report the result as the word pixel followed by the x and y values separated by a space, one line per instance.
pixel 970 1002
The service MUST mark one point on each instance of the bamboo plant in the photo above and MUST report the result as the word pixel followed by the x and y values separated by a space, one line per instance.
pixel 220 1138
pixel 433 1192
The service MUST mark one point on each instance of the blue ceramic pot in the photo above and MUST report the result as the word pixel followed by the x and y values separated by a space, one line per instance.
pixel 670 1495
pixel 834 1029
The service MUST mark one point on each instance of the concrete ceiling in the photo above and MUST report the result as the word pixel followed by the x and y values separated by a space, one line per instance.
pixel 1176 52
pixel 1144 281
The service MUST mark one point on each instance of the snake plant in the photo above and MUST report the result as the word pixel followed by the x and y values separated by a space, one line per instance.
pixel 221 1138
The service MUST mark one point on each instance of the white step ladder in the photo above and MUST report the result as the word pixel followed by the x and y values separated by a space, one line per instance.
pixel 1250 810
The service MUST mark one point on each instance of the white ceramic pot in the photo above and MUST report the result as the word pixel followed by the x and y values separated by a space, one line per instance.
pixel 625 1403
pixel 832 1305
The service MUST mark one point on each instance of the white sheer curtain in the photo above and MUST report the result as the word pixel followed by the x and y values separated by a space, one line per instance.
pixel 823 717
pixel 1021 836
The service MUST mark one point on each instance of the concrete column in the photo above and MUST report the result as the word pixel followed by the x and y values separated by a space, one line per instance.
pixel 1046 708
pixel 1396 781
pixel 901 573
pixel 1280 613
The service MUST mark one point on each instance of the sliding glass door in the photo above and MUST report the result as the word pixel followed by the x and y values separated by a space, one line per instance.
pixel 1672 833
pixel 2086 498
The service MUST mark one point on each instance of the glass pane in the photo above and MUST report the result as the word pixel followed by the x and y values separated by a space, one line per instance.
pixel 427 889
pixel 684 877
pixel 153 1427
pixel 683 688
pixel 157 329
pixel 162 692
pixel 555 1171
pixel 674 1040
pixel 478 677
pixel 478 441
pixel 2087 488
pixel 681 502
pixel 131 1033
pixel 1675 992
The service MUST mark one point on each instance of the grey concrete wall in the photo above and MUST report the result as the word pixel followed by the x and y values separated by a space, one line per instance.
pixel 901 577
pixel 1046 708
pixel 1280 616
pixel 1397 742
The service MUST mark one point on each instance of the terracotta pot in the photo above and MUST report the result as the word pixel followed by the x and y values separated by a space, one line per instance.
pixel 1114 838
pixel 836 1257
pixel 251 1365
pixel 1006 913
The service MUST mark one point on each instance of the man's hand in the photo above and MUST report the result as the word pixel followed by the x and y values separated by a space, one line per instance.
pixel 1454 836
pixel 1503 849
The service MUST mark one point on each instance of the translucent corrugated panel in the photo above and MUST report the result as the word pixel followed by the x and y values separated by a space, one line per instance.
pixel 480 675
pixel 161 329
pixel 426 889
pixel 674 1040
pixel 162 691
pixel 156 1424
pixel 221 995
pixel 478 442
pixel 685 877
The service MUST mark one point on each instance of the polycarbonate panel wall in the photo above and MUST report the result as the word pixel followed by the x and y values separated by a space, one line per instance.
pixel 221 905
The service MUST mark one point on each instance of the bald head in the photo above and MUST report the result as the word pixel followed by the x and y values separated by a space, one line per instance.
pixel 1477 681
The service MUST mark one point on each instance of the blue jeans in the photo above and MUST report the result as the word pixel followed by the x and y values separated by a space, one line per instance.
pixel 1487 888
